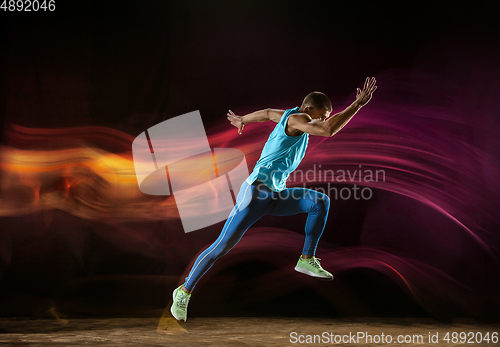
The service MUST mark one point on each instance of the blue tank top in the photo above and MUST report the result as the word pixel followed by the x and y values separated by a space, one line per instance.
pixel 280 156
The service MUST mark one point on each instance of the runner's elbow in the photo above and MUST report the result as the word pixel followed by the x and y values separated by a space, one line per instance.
pixel 329 132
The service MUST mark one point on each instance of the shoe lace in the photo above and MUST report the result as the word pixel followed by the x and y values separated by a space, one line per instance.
pixel 182 300
pixel 315 262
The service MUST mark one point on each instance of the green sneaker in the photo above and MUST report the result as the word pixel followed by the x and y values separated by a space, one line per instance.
pixel 312 268
pixel 180 304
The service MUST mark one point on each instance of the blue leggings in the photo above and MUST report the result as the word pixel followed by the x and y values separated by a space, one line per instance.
pixel 253 202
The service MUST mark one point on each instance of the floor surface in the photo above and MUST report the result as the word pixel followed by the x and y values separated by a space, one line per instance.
pixel 231 331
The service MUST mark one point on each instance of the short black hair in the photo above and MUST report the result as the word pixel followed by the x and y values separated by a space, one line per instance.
pixel 317 100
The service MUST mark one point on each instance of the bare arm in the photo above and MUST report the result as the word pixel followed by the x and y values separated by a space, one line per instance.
pixel 304 123
pixel 259 116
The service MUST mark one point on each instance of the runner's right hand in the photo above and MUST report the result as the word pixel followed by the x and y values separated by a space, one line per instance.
pixel 235 120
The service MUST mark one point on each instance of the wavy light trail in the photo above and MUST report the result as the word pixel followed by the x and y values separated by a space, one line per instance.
pixel 418 130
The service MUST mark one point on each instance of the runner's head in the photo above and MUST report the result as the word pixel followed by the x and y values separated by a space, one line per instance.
pixel 317 105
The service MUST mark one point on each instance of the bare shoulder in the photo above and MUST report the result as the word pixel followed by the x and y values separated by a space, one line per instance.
pixel 294 123
pixel 275 114
pixel 303 123
pixel 299 118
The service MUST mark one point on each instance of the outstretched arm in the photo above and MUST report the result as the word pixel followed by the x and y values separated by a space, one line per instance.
pixel 335 123
pixel 259 116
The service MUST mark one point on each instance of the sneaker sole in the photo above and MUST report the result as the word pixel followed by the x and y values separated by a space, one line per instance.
pixel 312 274
pixel 172 308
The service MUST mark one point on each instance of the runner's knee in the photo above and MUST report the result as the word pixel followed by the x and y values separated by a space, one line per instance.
pixel 225 247
pixel 321 203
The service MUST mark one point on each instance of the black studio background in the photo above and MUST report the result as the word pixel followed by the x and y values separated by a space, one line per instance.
pixel 129 64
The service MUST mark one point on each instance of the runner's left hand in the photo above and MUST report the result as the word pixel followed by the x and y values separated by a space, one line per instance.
pixel 365 95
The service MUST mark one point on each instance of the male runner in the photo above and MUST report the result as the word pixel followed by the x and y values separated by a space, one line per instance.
pixel 264 191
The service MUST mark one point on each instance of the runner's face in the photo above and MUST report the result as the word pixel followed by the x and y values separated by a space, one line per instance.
pixel 320 114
